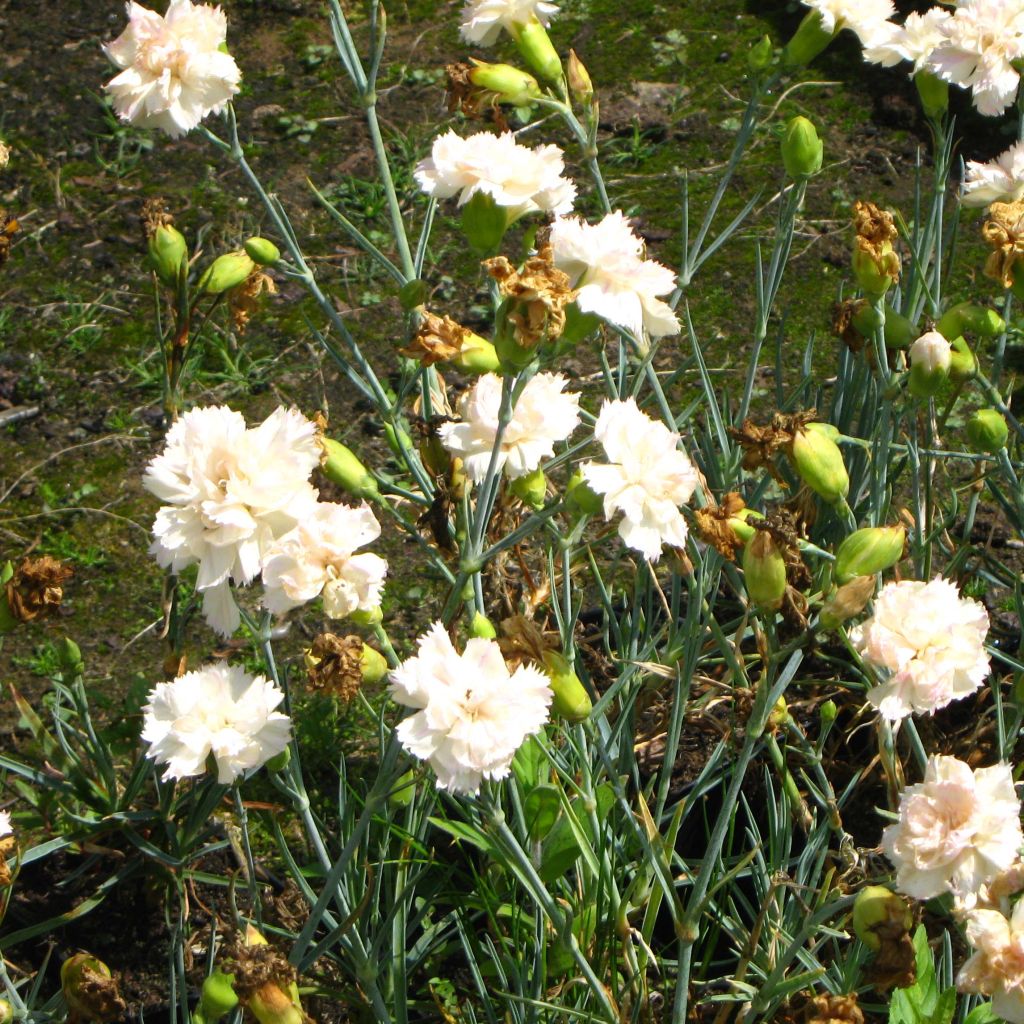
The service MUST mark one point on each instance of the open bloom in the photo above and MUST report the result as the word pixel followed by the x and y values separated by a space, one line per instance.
pixel 318 558
pixel 472 714
pixel 483 20
pixel 5 824
pixel 175 72
pixel 542 415
pixel 998 181
pixel 997 967
pixel 957 830
pixel 983 39
pixel 929 640
pixel 868 18
pixel 914 40
pixel 219 709
pixel 646 477
pixel 521 179
pixel 604 262
pixel 228 493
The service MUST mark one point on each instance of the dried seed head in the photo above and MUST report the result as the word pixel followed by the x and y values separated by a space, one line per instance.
pixel 843 326
pixel 154 215
pixel 539 292
pixel 1004 232
pixel 8 229
pixel 875 262
pixel 37 587
pixel 244 300
pixel 90 990
pixel 335 665
pixel 714 525
pixel 831 1009
pixel 442 339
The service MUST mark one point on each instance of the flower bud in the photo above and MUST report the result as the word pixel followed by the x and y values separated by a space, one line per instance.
pixel 373 664
pixel 262 251
pixel 899 330
pixel 536 49
pixel 6 1010
pixel 477 355
pixel 930 358
pixel 740 525
pixel 398 440
pixel 226 272
pixel 531 489
pixel 987 431
pixel 270 1004
pixel 570 699
pixel 868 551
pixel 827 714
pixel 962 364
pixel 759 56
pixel 367 616
pixel 934 94
pixel 819 462
pixel 506 83
pixel 341 466
pixel 808 41
pixel 875 271
pixel 779 714
pixel 580 497
pixel 168 252
pixel 217 997
pixel 764 571
pixel 801 149
pixel 877 913
pixel 280 761
pixel 90 989
pixel 404 791
pixel 580 85
pixel 482 627
pixel 965 317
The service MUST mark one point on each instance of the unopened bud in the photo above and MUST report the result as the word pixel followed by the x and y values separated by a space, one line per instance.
pixel 506 83
pixel 531 489
pixel 802 150
pixel 536 48
pixel 987 431
pixel 899 330
pixel 934 93
pixel 868 551
pixel 404 790
pixel 570 699
pixel 847 602
pixel 226 272
pixel 482 627
pixel 90 990
pixel 373 664
pixel 580 85
pixel 262 251
pixel 930 358
pixel 218 996
pixel 372 616
pixel 827 714
pixel 764 571
pixel 779 714
pixel 270 1004
pixel 877 914
pixel 477 355
pixel 808 41
pixel 168 252
pixel 581 497
pixel 280 761
pixel 341 466
pixel 965 317
pixel 759 56
pixel 962 363
pixel 819 462
pixel 6 1010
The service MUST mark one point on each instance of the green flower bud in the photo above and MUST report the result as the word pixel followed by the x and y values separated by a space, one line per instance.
pixel 570 698
pixel 507 83
pixel 878 913
pixel 6 1010
pixel 819 462
pixel 580 85
pixel 581 498
pixel 801 149
pixel 373 665
pixel 868 551
pixel 759 56
pixel 367 616
pixel 341 466
pixel 967 318
pixel 962 364
pixel 277 763
pixel 827 714
pixel 808 41
pixel 89 989
pixel 404 791
pixel 536 49
pixel 262 251
pixel 930 360
pixel 168 252
pixel 899 330
pixel 482 627
pixel 398 440
pixel 218 996
pixel 934 94
pixel 987 431
pixel 477 355
pixel 875 272
pixel 531 489
pixel 764 572
pixel 740 526
pixel 226 272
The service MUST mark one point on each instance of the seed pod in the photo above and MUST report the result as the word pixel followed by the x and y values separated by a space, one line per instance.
pixel 987 431
pixel 531 489
pixel 764 571
pixel 966 317
pixel 580 84
pixel 90 989
pixel 226 272
pixel 482 627
pixel 477 355
pixel 262 251
pixel 341 466
pixel 570 698
pixel 218 996
pixel 899 330
pixel 847 602
pixel 802 150
pixel 506 83
pixel 868 551
pixel 819 462
pixel 168 252
pixel 877 912
pixel 373 664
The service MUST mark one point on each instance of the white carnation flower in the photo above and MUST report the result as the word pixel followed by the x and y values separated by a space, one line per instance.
pixel 175 72
pixel 521 179
pixel 957 830
pixel 868 18
pixel 318 558
pixel 219 709
pixel 932 352
pixel 604 262
pixel 472 715
pixel 483 20
pixel 983 39
pixel 542 415
pixel 914 40
pixel 228 493
pixel 929 640
pixel 647 477
pixel 997 967
pixel 5 824
pixel 999 181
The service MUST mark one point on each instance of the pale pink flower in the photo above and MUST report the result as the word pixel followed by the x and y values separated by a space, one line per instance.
pixel 472 714
pixel 483 20
pixel 998 181
pixel 997 967
pixel 929 641
pixel 957 830
pixel 175 71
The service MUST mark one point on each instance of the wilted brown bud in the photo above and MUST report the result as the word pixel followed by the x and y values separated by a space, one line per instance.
pixel 875 262
pixel 154 214
pixel 830 1009
pixel 264 980
pixel 8 229
pixel 843 325
pixel 442 339
pixel 37 587
pixel 1004 231
pixel 847 602
pixel 882 921
pixel 714 526
pixel 244 300
pixel 90 990
pixel 539 292
pixel 335 665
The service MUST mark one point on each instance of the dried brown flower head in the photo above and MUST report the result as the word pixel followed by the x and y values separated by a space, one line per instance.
pixel 540 293
pixel 713 525
pixel 475 103
pixel 523 640
pixel 439 339
pixel 255 964
pixel 842 323
pixel 1004 231
pixel 5 155
pixel 874 257
pixel 154 215
pixel 848 601
pixel 761 443
pixel 7 846
pixel 830 1009
pixel 9 227
pixel 334 665
pixel 244 300
pixel 785 531
pixel 90 990
pixel 37 587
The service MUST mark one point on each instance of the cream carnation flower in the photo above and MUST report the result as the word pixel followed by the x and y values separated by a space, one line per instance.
pixel 219 709
pixel 521 179
pixel 175 72
pixel 957 830
pixel 5 824
pixel 983 38
pixel 647 477
pixel 999 181
pixel 483 20
pixel 868 18
pixel 914 40
pixel 542 415
pixel 929 640
pixel 604 262
pixel 472 715
pixel 997 967
pixel 317 558
pixel 229 493
pixel 932 352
